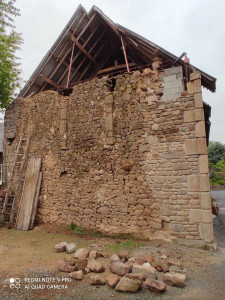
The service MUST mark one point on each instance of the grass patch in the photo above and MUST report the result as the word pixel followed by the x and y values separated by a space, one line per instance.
pixel 77 229
pixel 34 244
pixel 127 245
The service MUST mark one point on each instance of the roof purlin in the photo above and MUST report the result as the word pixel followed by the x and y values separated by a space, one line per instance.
pixel 142 47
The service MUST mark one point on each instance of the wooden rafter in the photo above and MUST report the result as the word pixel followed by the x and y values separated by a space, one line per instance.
pixel 64 63
pixel 74 40
pixel 88 66
pixel 74 31
pixel 87 25
pixel 74 70
pixel 92 48
pixel 68 51
pixel 48 80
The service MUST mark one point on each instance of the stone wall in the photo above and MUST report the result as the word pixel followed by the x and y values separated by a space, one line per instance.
pixel 120 160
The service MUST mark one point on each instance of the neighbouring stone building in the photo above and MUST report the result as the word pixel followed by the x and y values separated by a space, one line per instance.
pixel 121 153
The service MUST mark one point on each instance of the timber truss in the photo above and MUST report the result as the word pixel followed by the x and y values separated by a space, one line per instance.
pixel 92 45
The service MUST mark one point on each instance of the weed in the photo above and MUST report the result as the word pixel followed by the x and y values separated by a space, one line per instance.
pixel 77 229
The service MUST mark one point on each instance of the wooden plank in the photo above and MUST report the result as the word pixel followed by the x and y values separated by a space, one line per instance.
pixel 28 194
pixel 82 48
pixel 35 201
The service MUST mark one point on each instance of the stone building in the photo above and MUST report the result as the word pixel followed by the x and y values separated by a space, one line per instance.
pixel 122 133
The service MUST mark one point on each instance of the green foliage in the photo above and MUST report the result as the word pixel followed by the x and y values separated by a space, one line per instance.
pixel 216 152
pixel 216 179
pixel 220 166
pixel 10 41
pixel 77 229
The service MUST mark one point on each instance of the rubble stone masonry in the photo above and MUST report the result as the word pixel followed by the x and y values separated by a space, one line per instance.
pixel 120 160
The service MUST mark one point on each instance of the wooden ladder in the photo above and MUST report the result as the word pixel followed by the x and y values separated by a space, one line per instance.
pixel 8 210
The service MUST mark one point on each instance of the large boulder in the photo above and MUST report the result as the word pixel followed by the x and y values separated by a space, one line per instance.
pixel 81 253
pixel 128 285
pixel 176 279
pixel 61 247
pixel 155 285
pixel 95 266
pixel 70 248
pixel 65 267
pixel 119 268
pixel 147 270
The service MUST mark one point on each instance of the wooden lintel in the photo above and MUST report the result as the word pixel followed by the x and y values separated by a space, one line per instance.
pixel 74 40
pixel 48 80
pixel 115 68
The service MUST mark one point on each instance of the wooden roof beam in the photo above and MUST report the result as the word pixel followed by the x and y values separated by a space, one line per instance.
pixel 93 46
pixel 74 31
pixel 74 40
pixel 64 73
pixel 115 68
pixel 68 51
pixel 48 80
pixel 85 28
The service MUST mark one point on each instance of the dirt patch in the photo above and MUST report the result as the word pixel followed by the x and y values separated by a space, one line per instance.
pixel 31 254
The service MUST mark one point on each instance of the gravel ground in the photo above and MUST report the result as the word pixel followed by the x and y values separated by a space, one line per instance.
pixel 31 254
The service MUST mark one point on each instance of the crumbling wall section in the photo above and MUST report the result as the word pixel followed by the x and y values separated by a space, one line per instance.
pixel 121 161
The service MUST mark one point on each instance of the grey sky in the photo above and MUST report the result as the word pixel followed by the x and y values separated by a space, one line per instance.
pixel 194 26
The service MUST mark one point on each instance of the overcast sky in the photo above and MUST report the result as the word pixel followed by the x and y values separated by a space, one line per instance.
pixel 194 26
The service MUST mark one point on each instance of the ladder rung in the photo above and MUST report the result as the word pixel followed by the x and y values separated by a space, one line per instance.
pixel 20 154
pixel 9 204
pixel 7 213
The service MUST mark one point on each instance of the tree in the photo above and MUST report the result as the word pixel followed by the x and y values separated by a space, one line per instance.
pixel 216 152
pixel 10 41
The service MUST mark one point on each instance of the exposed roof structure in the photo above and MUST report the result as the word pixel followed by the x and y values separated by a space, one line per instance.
pixel 91 44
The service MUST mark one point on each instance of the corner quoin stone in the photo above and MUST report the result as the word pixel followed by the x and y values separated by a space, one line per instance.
pixel 203 164
pixel 193 183
pixel 191 147
pixel 195 215
pixel 205 200
pixel 206 232
pixel 198 100
pixel 200 129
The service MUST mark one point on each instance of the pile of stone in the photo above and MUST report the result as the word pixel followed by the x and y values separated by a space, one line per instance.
pixel 129 274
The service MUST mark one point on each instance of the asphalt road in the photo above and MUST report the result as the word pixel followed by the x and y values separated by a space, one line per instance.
pixel 219 221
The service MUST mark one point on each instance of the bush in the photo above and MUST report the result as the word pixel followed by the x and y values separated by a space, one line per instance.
pixel 216 152
pixel 216 179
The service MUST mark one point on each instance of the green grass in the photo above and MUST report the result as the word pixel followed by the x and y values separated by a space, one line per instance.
pixel 127 245
pixel 77 229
